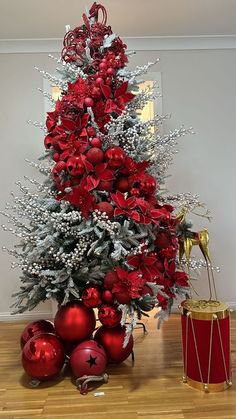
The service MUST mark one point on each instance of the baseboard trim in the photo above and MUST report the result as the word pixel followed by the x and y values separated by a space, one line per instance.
pixel 34 315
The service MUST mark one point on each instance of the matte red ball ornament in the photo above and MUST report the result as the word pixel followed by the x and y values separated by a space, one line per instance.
pixel 75 166
pixel 91 297
pixel 116 156
pixel 36 328
pixel 43 357
pixel 95 155
pixel 112 340
pixel 74 321
pixel 148 184
pixel 88 101
pixel 96 142
pixel 107 297
pixel 91 131
pixel 88 358
pixel 106 207
pixel 110 279
pixel 110 71
pixel 99 81
pixel 122 184
pixel 109 316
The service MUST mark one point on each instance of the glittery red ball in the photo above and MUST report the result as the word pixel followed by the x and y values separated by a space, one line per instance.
pixel 122 184
pixel 88 101
pixel 74 321
pixel 36 328
pixel 112 340
pixel 88 358
pixel 109 316
pixel 106 207
pixel 110 279
pixel 107 297
pixel 95 155
pixel 91 297
pixel 75 166
pixel 43 357
pixel 95 142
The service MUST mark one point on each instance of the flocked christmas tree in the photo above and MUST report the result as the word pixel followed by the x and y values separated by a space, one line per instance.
pixel 100 228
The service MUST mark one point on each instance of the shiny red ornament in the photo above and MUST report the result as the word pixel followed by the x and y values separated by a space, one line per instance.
pixel 88 101
pixel 75 166
pixel 107 297
pixel 106 207
pixel 74 321
pixel 116 156
pixel 148 184
pixel 95 155
pixel 112 340
pixel 109 316
pixel 122 184
pixel 43 357
pixel 110 279
pixel 96 142
pixel 91 297
pixel 88 358
pixel 36 328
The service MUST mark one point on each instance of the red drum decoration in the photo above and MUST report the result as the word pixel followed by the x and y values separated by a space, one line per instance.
pixel 206 344
pixel 74 321
pixel 112 340
pixel 36 328
pixel 88 358
pixel 43 357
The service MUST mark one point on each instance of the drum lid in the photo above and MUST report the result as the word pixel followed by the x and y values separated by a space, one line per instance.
pixel 205 309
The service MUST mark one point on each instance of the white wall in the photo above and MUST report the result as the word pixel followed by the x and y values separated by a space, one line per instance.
pixel 199 90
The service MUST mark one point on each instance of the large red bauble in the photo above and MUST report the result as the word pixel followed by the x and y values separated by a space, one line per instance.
pixel 88 358
pixel 106 207
pixel 74 321
pixel 122 184
pixel 110 279
pixel 112 340
pixel 36 328
pixel 109 316
pixel 43 357
pixel 91 297
pixel 95 155
pixel 75 166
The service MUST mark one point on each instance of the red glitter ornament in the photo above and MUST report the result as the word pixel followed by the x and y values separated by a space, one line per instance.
pixel 106 207
pixel 112 340
pixel 95 155
pixel 36 328
pixel 91 297
pixel 109 316
pixel 88 358
pixel 43 357
pixel 74 321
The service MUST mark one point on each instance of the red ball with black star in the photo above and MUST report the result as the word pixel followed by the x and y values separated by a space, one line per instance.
pixel 88 358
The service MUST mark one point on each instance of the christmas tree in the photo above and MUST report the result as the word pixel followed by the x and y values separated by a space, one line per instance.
pixel 101 228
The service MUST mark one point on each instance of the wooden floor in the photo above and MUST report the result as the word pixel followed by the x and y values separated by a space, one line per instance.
pixel 151 388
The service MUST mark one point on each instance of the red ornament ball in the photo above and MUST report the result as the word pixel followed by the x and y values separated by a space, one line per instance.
pixel 106 207
pixel 43 357
pixel 88 101
pixel 36 328
pixel 74 321
pixel 122 184
pixel 110 71
pixel 91 131
pixel 112 340
pixel 103 66
pixel 109 316
pixel 88 358
pixel 91 297
pixel 99 81
pixel 107 297
pixel 96 142
pixel 95 155
pixel 110 279
pixel 75 166
pixel 105 185
pixel 148 184
pixel 116 156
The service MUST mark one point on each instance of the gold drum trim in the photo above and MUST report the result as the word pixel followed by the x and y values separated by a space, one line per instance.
pixel 205 309
pixel 208 388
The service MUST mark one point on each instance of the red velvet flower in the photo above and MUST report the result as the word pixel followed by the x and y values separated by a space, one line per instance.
pixel 130 283
pixel 146 264
pixel 125 206
pixel 181 279
pixel 81 198
pixel 115 102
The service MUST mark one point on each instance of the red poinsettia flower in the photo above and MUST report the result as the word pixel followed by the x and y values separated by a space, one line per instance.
pixel 115 102
pixel 81 198
pixel 146 264
pixel 51 121
pixel 129 283
pixel 148 213
pixel 181 279
pixel 125 206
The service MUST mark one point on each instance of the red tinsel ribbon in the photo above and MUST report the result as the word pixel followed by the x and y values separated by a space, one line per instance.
pixel 94 12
